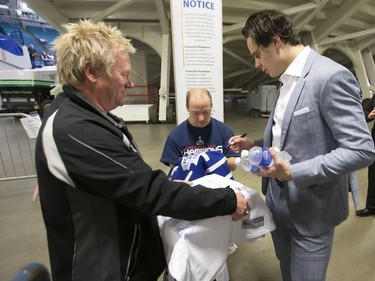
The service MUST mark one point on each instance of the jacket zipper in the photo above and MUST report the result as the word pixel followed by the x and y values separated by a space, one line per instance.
pixel 133 248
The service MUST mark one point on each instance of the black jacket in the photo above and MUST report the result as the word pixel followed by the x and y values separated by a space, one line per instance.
pixel 100 199
pixel 367 108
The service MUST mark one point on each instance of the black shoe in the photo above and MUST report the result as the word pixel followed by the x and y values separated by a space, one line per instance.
pixel 365 212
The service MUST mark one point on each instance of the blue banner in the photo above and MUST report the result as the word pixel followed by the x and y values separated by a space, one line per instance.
pixel 10 45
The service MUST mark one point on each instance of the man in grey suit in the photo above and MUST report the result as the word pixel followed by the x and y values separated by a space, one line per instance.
pixel 318 120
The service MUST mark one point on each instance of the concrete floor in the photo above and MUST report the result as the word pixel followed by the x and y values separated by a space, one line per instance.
pixel 23 239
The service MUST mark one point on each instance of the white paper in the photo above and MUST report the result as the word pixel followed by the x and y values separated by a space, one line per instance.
pixel 31 125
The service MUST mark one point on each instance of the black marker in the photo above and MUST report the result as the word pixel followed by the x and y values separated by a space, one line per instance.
pixel 233 142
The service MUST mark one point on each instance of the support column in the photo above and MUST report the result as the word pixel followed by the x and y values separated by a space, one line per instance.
pixel 164 78
pixel 370 66
pixel 361 73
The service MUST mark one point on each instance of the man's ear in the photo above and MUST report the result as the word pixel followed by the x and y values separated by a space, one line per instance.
pixel 276 41
pixel 90 72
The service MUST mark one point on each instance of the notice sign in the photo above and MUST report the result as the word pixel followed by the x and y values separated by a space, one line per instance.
pixel 197 52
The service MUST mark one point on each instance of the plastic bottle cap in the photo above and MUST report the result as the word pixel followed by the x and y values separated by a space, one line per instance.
pixel 237 161
pixel 244 153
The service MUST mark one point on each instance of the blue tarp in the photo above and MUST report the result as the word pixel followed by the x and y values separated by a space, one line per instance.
pixel 10 45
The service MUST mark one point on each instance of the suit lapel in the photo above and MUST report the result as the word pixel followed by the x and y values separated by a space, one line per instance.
pixel 295 96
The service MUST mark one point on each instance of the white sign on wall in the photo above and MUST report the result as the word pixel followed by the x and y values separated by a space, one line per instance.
pixel 197 51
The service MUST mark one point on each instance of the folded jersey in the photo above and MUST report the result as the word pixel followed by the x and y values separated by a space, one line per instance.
pixel 198 250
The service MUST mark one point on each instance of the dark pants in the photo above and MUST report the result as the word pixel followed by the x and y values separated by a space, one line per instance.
pixel 370 201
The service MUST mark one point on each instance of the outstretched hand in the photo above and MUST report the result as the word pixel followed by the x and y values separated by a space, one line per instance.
pixel 242 209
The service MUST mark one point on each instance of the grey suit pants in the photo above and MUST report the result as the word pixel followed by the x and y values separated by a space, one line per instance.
pixel 301 258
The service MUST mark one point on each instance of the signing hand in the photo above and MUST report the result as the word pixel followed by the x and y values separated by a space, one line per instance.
pixel 237 144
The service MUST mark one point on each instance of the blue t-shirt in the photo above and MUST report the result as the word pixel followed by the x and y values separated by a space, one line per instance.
pixel 186 140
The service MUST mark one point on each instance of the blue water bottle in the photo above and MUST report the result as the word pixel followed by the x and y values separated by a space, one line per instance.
pixel 260 156
pixel 245 163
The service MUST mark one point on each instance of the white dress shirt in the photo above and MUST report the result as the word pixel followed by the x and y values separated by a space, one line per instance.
pixel 289 80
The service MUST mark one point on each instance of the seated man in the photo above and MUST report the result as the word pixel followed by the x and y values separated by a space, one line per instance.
pixel 199 133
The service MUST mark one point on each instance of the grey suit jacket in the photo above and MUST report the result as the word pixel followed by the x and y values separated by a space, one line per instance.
pixel 325 132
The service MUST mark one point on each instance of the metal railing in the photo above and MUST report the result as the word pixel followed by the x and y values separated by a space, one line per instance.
pixel 17 150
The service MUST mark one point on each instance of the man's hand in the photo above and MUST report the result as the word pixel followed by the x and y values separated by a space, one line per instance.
pixel 372 114
pixel 242 207
pixel 237 144
pixel 279 170
pixel 184 181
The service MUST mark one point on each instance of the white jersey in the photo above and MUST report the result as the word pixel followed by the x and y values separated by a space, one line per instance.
pixel 198 250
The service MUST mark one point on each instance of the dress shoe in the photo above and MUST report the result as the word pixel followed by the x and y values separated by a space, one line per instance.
pixel 365 212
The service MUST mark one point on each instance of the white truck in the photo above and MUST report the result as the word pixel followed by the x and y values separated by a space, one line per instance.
pixel 23 89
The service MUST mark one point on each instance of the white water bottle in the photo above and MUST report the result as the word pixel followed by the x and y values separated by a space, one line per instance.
pixel 260 156
pixel 245 163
